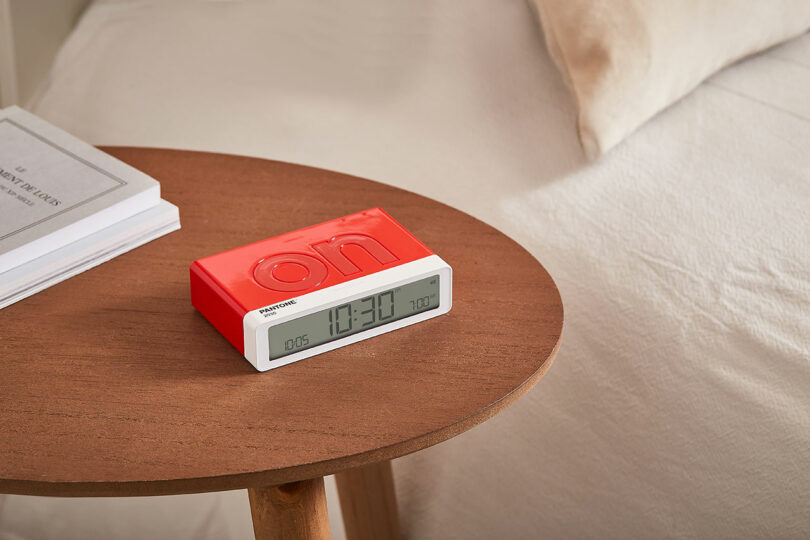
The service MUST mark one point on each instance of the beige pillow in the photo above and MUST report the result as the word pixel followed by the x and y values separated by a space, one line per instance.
pixel 625 60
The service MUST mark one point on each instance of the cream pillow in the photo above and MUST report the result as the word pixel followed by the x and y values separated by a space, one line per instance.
pixel 625 60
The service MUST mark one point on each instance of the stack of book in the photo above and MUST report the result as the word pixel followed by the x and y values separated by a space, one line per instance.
pixel 66 206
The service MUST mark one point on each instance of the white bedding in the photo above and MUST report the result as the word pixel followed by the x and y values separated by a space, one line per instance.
pixel 679 404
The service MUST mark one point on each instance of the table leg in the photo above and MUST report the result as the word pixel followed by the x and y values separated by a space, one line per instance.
pixel 368 502
pixel 294 510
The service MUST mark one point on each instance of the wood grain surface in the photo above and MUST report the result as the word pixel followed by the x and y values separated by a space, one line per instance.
pixel 295 510
pixel 112 384
pixel 368 502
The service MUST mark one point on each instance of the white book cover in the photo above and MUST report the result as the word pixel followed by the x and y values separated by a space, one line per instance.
pixel 56 189
pixel 87 252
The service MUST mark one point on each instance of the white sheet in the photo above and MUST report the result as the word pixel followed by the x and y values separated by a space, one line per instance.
pixel 678 405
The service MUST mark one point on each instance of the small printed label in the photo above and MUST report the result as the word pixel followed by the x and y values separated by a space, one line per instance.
pixel 269 311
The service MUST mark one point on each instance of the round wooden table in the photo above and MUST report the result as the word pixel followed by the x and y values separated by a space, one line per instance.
pixel 113 385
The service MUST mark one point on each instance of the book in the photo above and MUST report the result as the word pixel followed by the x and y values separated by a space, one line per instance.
pixel 66 206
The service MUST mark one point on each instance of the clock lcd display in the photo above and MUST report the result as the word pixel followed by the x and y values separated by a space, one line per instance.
pixel 352 317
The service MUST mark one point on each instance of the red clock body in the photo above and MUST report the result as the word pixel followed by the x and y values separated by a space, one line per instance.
pixel 227 286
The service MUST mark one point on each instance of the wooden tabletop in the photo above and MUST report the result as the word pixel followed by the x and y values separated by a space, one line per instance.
pixel 112 384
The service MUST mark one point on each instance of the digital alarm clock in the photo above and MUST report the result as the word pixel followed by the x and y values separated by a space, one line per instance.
pixel 309 291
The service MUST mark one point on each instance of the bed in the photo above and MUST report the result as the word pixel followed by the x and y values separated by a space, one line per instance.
pixel 679 403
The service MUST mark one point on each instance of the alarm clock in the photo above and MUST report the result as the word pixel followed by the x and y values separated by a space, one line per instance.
pixel 319 288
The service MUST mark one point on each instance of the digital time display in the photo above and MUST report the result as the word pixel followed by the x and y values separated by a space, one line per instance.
pixel 352 317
